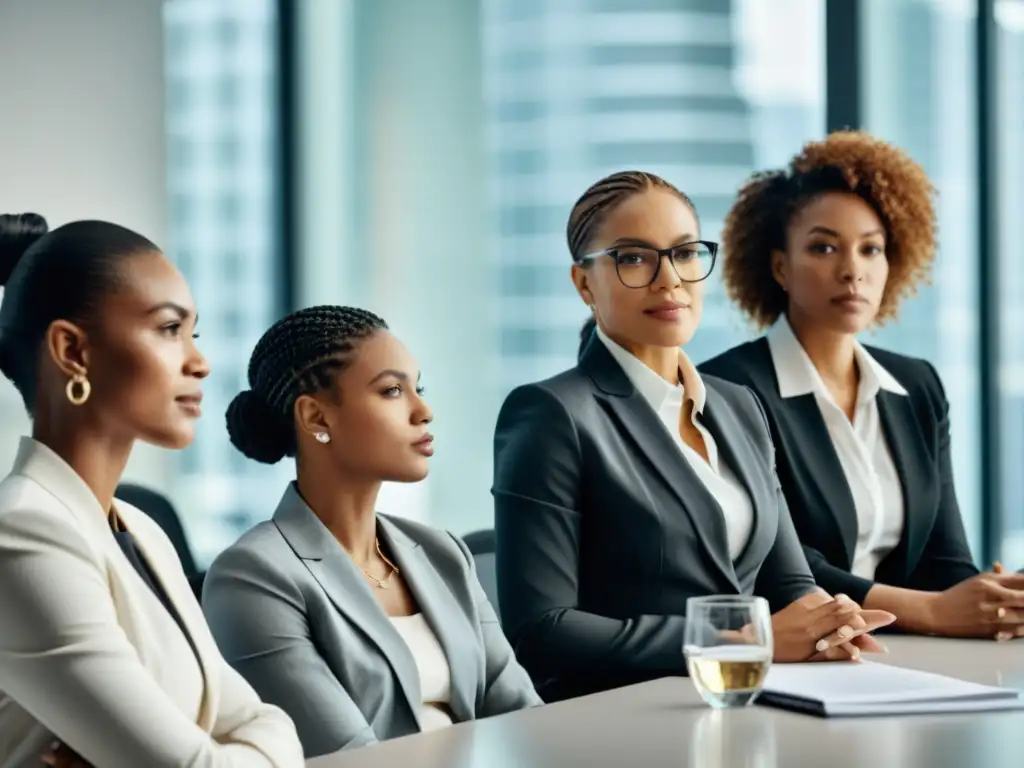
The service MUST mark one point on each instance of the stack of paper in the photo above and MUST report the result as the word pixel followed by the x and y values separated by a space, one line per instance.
pixel 869 688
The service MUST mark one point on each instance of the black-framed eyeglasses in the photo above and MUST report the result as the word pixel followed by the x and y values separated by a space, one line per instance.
pixel 638 265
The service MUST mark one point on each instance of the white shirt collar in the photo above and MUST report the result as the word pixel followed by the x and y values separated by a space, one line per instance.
pixel 797 375
pixel 655 389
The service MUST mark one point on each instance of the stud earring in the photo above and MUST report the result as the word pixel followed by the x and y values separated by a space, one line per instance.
pixel 322 437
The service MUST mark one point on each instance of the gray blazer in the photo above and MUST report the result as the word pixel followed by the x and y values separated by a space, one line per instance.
pixel 293 614
pixel 604 530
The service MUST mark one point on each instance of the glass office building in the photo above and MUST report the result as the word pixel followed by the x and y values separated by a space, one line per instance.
pixel 703 92
pixel 222 68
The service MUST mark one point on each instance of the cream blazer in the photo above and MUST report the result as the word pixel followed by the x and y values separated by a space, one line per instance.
pixel 89 655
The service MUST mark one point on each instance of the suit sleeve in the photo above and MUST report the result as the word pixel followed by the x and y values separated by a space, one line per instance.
pixel 835 580
pixel 785 575
pixel 507 686
pixel 946 559
pixel 537 477
pixel 65 658
pixel 259 619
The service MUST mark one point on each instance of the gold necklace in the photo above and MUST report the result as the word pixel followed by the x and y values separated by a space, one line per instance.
pixel 385 582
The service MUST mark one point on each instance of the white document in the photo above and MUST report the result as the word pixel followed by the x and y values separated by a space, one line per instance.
pixel 870 688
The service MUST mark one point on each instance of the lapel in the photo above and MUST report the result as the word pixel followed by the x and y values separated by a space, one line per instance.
pixel 347 589
pixel 442 612
pixel 640 424
pixel 192 622
pixel 806 443
pixel 727 431
pixel 811 444
pixel 913 465
pixel 38 462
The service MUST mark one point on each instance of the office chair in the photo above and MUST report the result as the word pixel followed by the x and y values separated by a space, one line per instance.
pixel 162 512
pixel 482 545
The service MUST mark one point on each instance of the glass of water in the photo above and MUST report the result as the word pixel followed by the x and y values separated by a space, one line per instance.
pixel 728 648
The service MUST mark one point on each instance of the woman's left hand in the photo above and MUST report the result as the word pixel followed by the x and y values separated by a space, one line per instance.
pixel 861 643
pixel 62 756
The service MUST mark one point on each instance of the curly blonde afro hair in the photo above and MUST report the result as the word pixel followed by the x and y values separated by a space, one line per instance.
pixel 885 177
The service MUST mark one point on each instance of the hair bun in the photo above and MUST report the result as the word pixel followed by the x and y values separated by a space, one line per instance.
pixel 256 430
pixel 17 233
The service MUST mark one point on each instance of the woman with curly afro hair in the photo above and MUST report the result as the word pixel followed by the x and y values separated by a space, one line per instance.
pixel 818 253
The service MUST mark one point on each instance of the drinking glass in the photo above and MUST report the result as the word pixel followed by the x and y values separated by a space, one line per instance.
pixel 728 648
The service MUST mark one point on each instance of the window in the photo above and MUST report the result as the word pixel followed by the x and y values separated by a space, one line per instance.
pixel 701 93
pixel 1009 110
pixel 919 93
pixel 451 222
pixel 217 48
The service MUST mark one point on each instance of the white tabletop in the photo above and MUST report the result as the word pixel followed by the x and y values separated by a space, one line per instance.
pixel 664 723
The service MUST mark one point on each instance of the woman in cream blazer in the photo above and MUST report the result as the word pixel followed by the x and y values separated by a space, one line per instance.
pixel 103 646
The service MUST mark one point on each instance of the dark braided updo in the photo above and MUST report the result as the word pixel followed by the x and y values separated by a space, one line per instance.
pixel 299 355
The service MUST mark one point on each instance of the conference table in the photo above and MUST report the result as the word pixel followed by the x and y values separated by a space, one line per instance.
pixel 664 723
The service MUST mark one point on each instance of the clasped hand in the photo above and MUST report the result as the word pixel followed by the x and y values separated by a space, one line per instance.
pixel 987 605
pixel 819 627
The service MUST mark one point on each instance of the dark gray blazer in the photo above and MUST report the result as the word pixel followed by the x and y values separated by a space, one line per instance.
pixel 294 615
pixel 604 530
pixel 933 553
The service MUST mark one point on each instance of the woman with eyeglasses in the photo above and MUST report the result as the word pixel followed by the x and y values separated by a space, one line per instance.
pixel 629 483
pixel 819 253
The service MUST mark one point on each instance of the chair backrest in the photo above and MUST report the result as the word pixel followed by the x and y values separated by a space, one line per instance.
pixel 482 545
pixel 160 509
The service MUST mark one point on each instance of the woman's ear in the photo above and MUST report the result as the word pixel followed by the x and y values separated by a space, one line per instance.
pixel 579 278
pixel 309 416
pixel 780 268
pixel 68 346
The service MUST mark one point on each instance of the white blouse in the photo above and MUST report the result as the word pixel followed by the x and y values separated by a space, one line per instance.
pixel 434 672
pixel 667 401
pixel 861 445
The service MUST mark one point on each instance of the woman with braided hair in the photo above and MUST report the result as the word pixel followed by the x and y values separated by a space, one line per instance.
pixel 819 252
pixel 361 626
pixel 629 483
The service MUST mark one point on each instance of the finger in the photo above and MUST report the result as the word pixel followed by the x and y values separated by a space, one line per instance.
pixel 1001 615
pixel 833 620
pixel 49 759
pixel 997 567
pixel 850 651
pixel 869 644
pixel 840 637
pixel 876 619
pixel 996 594
pixel 835 653
pixel 837 603
pixel 1003 635
pixel 1009 580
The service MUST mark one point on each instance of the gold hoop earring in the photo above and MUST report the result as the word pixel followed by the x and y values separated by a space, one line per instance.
pixel 84 389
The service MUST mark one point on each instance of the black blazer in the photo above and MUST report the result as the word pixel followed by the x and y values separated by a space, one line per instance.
pixel 932 553
pixel 604 530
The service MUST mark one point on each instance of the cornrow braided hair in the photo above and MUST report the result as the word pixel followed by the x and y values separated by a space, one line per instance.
pixel 593 209
pixel 885 177
pixel 299 355
pixel 603 197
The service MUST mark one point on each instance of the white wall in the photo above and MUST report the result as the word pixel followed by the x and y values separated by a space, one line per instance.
pixel 82 134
